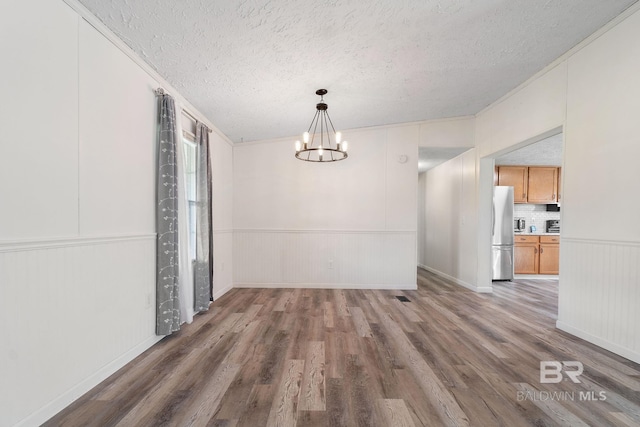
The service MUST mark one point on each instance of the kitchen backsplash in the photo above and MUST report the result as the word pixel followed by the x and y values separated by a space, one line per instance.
pixel 534 215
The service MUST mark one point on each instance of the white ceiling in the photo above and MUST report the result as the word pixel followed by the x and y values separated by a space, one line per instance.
pixel 253 66
pixel 547 152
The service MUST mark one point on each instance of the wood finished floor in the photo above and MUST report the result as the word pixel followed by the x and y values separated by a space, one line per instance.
pixel 305 357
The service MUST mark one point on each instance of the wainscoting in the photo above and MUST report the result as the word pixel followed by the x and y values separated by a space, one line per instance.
pixel 73 310
pixel 324 259
pixel 600 293
pixel 222 262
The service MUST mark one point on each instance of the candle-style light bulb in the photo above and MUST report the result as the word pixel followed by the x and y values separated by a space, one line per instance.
pixel 338 138
pixel 305 137
pixel 298 146
pixel 345 145
pixel 320 152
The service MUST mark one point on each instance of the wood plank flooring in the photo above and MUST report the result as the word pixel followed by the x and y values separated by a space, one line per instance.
pixel 308 357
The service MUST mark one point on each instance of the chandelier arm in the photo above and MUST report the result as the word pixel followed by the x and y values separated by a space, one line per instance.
pixel 322 123
pixel 315 128
pixel 316 118
pixel 326 116
pixel 326 126
pixel 332 128
pixel 334 132
pixel 313 120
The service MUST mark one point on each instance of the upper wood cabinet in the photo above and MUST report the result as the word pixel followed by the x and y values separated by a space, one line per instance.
pixel 531 184
pixel 542 185
pixel 516 177
pixel 559 183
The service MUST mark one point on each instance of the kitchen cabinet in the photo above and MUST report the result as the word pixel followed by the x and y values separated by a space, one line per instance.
pixel 542 185
pixel 516 177
pixel 549 259
pixel 531 184
pixel 534 254
pixel 525 259
pixel 559 183
pixel 525 255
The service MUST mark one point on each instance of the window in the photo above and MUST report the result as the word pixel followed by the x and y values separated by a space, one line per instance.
pixel 190 155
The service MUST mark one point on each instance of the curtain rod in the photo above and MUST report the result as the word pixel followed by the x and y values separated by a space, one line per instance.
pixel 160 91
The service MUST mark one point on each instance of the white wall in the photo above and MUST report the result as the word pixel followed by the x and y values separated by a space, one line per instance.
pixel 448 133
pixel 222 189
pixel 450 206
pixel 77 224
pixel 447 203
pixel 593 94
pixel 39 120
pixel 80 163
pixel 117 140
pixel 600 248
pixel 422 206
pixel 345 224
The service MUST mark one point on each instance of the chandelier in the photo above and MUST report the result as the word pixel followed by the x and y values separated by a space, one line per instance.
pixel 318 147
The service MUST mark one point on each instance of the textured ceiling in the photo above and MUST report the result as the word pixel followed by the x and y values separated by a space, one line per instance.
pixel 252 66
pixel 547 152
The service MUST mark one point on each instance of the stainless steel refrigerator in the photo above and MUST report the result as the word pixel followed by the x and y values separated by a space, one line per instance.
pixel 502 233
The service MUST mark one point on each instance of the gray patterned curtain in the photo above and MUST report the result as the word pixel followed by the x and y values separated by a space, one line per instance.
pixel 204 241
pixel 167 292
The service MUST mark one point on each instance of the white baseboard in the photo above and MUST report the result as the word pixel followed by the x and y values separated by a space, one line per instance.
pixel 222 292
pixel 404 287
pixel 481 290
pixel 607 345
pixel 65 399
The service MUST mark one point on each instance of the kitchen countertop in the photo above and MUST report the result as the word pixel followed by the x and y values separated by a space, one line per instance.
pixel 537 233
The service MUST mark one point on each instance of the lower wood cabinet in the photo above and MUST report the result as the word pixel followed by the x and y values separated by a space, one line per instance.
pixel 549 259
pixel 536 254
pixel 549 255
pixel 525 259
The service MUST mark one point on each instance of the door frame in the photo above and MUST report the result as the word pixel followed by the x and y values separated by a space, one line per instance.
pixel 485 197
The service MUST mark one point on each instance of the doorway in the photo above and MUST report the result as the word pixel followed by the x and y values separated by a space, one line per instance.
pixel 541 216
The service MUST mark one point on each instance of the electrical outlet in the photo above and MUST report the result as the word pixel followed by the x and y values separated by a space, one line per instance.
pixel 330 264
pixel 148 300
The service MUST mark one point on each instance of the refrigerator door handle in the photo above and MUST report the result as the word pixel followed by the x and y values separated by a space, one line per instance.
pixel 493 219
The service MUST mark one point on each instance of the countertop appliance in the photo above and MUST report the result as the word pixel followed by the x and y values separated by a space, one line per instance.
pixel 553 226
pixel 519 225
pixel 502 233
